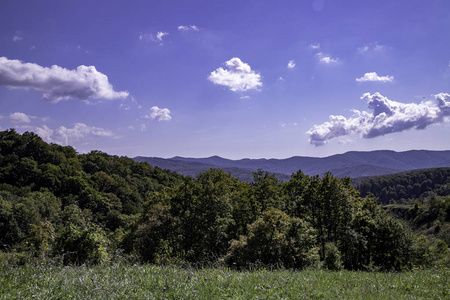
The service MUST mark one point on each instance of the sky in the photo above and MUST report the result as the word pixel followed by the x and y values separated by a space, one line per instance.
pixel 238 79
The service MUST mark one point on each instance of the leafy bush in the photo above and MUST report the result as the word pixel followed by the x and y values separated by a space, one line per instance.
pixel 275 239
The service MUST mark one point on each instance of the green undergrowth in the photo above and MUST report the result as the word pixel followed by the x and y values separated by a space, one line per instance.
pixel 126 281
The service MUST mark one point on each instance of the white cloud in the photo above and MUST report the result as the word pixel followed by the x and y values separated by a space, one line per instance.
pixel 379 48
pixel 160 35
pixel 149 37
pixel 327 59
pixel 315 46
pixel 387 117
pixel 160 114
pixel 19 117
pixel 188 28
pixel 375 47
pixel 45 133
pixel 363 49
pixel 128 103
pixel 373 76
pixel 284 124
pixel 68 136
pixel 238 76
pixel 56 83
pixel 17 37
pixel 291 64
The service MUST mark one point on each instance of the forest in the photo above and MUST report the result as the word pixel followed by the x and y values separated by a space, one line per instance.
pixel 97 208
pixel 409 185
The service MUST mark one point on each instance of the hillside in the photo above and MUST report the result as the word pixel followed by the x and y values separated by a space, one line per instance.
pixel 407 185
pixel 351 164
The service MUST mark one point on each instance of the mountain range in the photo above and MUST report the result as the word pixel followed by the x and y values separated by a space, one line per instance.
pixel 352 164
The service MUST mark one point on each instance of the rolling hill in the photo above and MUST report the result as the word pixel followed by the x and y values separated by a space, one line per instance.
pixel 352 164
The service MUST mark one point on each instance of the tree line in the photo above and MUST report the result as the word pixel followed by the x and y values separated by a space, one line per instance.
pixel 90 208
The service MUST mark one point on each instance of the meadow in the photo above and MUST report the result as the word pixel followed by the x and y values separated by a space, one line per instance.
pixel 127 281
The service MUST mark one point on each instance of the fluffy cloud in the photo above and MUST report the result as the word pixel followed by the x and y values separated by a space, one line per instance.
pixel 327 60
pixel 387 116
pixel 68 136
pixel 160 114
pixel 373 76
pixel 57 83
pixel 19 117
pixel 238 76
pixel 291 64
pixel 188 28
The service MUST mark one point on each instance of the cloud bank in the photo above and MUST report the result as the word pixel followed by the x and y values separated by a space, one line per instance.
pixel 373 76
pixel 56 83
pixel 68 136
pixel 160 114
pixel 238 76
pixel 387 116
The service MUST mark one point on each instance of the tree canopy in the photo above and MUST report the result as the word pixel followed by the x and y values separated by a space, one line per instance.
pixel 88 207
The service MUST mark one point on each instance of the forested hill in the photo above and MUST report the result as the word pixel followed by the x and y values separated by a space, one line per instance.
pixel 408 185
pixel 105 184
pixel 351 164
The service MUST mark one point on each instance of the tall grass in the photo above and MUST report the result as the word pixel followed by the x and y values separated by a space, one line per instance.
pixel 125 281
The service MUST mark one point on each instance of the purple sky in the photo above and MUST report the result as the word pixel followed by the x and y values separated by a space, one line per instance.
pixel 230 78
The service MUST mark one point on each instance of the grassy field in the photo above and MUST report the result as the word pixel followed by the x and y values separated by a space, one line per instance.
pixel 124 281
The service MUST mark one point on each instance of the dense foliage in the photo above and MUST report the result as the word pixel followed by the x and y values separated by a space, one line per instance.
pixel 55 203
pixel 404 186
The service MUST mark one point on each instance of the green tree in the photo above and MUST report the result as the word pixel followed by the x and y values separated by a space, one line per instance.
pixel 275 239
pixel 266 193
pixel 79 240
pixel 10 232
pixel 41 238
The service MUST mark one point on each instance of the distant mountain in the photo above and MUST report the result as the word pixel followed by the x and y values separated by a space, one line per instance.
pixel 186 167
pixel 352 164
